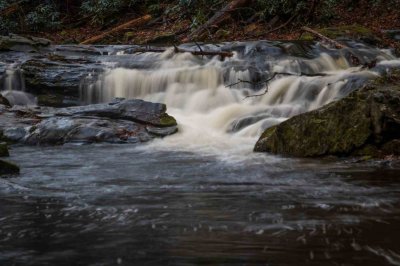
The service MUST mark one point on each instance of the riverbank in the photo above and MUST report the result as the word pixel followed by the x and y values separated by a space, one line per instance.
pixel 171 22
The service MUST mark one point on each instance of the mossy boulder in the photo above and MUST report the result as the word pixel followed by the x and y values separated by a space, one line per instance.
pixel 3 150
pixel 352 32
pixel 7 168
pixel 365 123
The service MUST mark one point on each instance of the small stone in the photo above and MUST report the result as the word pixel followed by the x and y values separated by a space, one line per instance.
pixel 7 168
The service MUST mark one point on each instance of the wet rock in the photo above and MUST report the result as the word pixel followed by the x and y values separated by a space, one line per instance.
pixel 56 100
pixel 4 101
pixel 3 150
pixel 122 121
pixel 43 75
pixel 15 134
pixel 19 98
pixel 133 110
pixel 365 123
pixel 241 123
pixel 7 168
pixel 14 42
pixel 162 131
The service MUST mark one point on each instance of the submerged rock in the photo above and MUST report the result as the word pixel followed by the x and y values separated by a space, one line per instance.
pixel 7 168
pixel 366 122
pixel 122 121
pixel 4 101
pixel 3 150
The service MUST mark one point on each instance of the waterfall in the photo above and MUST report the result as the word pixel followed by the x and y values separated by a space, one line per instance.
pixel 213 114
pixel 14 87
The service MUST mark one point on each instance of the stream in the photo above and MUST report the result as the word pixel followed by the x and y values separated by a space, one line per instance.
pixel 200 196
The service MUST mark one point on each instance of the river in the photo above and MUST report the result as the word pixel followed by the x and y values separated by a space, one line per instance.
pixel 202 196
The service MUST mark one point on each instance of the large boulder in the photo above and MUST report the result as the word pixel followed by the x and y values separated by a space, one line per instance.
pixel 122 121
pixel 366 122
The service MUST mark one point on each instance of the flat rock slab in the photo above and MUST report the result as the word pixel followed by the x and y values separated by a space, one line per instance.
pixel 122 121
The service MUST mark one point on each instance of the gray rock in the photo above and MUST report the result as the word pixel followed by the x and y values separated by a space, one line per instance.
pixel 132 109
pixel 24 44
pixel 162 131
pixel 15 133
pixel 43 75
pixel 123 121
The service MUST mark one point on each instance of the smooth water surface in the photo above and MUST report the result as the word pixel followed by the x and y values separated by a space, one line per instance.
pixel 140 205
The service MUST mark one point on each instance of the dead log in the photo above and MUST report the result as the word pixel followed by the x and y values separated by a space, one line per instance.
pixel 323 37
pixel 222 54
pixel 10 9
pixel 132 23
pixel 283 25
pixel 211 53
pixel 215 20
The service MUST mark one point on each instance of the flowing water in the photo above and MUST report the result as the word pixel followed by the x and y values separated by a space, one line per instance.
pixel 202 196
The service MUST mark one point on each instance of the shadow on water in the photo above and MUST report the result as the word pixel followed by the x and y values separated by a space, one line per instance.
pixel 117 204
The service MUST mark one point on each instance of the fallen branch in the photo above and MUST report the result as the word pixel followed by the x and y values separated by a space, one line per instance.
pixel 329 40
pixel 10 9
pixel 301 74
pixel 271 78
pixel 218 18
pixel 222 54
pixel 132 23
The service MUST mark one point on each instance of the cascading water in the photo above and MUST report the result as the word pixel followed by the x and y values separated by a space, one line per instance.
pixel 14 87
pixel 215 116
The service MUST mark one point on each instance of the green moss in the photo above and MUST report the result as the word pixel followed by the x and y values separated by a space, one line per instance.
pixel 7 168
pixel 167 121
pixel 3 150
pixel 347 30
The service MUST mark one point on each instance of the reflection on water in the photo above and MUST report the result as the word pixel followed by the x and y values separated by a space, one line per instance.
pixel 123 205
